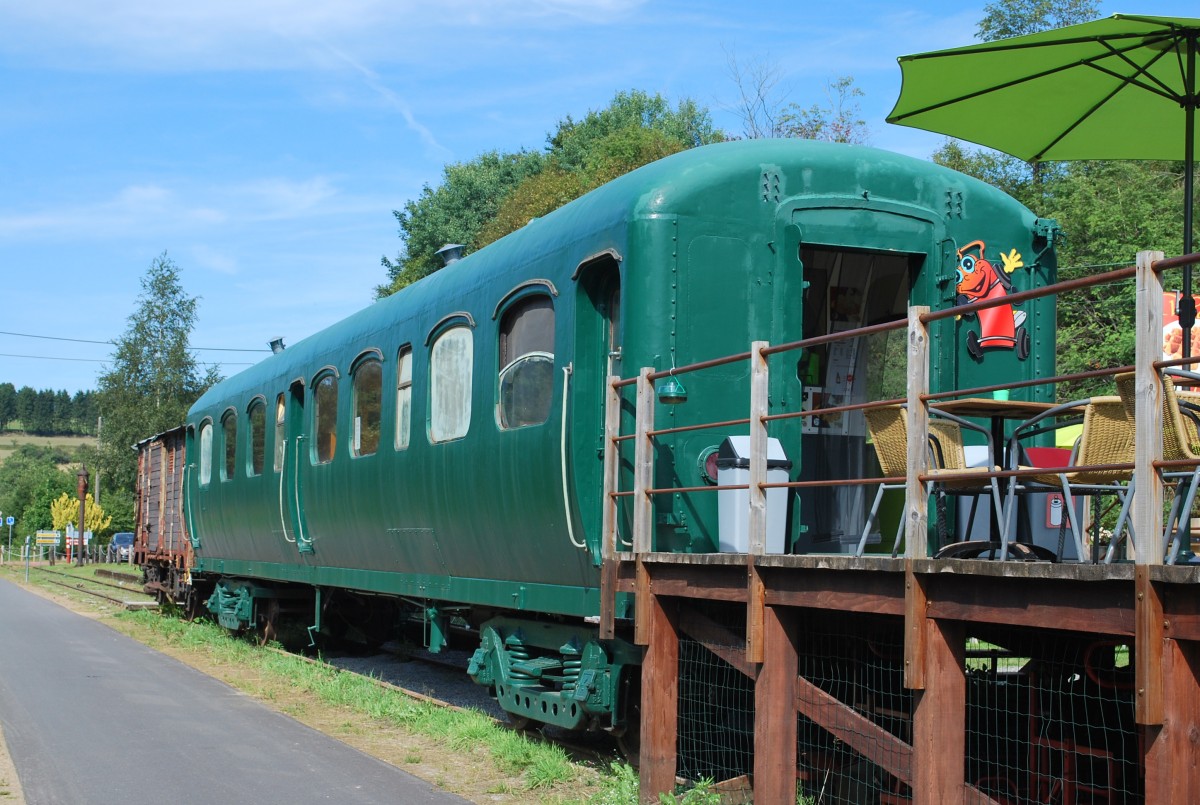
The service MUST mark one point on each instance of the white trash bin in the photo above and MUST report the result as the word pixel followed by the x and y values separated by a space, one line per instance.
pixel 733 505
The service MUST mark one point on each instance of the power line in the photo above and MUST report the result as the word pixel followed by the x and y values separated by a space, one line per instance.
pixel 104 360
pixel 111 343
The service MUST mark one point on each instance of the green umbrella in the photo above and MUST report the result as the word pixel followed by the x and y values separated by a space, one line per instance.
pixel 1117 88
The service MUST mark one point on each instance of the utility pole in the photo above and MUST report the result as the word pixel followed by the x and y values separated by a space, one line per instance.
pixel 82 485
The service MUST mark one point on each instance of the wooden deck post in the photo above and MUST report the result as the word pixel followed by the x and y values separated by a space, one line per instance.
pixel 940 717
pixel 608 519
pixel 660 699
pixel 757 536
pixel 1173 750
pixel 775 711
pixel 916 531
pixel 1148 501
pixel 643 505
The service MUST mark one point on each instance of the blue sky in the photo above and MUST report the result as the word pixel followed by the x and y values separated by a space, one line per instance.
pixel 264 143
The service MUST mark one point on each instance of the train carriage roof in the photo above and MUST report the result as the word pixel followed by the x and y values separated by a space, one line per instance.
pixel 724 180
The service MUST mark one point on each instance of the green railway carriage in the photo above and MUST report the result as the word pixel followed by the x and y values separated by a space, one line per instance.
pixel 441 449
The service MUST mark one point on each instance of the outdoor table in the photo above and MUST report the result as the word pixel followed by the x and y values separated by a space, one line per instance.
pixel 997 412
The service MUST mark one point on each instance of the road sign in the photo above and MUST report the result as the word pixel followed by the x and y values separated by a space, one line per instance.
pixel 47 537
pixel 10 520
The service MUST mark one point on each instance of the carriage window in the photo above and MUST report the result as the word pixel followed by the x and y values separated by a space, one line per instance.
pixel 368 391
pixel 280 433
pixel 403 397
pixel 206 448
pixel 229 437
pixel 527 362
pixel 258 436
pixel 325 416
pixel 450 365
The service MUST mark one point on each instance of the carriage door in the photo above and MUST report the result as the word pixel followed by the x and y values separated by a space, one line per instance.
pixel 848 289
pixel 289 457
pixel 598 354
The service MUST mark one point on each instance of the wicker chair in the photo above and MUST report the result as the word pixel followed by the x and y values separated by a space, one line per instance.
pixel 1181 442
pixel 888 426
pixel 1107 438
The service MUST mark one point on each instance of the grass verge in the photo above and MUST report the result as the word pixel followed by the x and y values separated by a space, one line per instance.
pixel 465 752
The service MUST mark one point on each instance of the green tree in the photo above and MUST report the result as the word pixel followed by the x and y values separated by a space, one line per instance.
pixel 574 144
pixel 1110 210
pixel 1009 18
pixel 26 403
pixel 8 404
pixel 154 377
pixel 838 121
pixel 469 206
pixel 453 212
pixel 613 155
pixel 1008 173
pixel 29 481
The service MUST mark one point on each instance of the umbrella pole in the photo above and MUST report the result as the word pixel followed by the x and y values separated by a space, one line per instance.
pixel 1187 306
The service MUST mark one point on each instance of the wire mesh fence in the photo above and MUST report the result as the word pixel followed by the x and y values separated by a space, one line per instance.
pixel 716 704
pixel 1051 719
pixel 1049 716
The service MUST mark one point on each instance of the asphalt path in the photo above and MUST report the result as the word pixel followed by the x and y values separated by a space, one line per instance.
pixel 94 718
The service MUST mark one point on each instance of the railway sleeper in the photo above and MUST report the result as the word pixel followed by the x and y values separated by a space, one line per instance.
pixel 553 673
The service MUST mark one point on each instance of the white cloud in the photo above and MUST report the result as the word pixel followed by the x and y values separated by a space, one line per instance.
pixel 190 206
pixel 267 34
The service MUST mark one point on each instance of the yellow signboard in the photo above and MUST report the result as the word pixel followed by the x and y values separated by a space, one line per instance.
pixel 47 538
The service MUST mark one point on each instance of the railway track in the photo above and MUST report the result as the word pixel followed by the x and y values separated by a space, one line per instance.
pixel 79 584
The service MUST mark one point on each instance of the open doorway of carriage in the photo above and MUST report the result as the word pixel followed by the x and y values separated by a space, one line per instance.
pixel 848 289
pixel 597 355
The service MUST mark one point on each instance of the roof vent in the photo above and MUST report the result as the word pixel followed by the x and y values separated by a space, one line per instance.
pixel 276 345
pixel 450 253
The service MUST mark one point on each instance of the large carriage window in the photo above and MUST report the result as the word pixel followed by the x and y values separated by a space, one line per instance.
pixel 450 365
pixel 325 416
pixel 258 436
pixel 368 390
pixel 206 448
pixel 280 432
pixel 527 362
pixel 229 437
pixel 403 397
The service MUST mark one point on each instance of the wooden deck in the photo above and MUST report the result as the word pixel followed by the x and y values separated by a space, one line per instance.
pixel 928 609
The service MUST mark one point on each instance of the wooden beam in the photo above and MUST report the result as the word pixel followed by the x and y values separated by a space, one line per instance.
pixel 916 499
pixel 643 466
pixel 880 593
pixel 1172 751
pixel 717 639
pixel 755 612
pixel 916 606
pixel 660 702
pixel 1102 607
pixel 608 518
pixel 757 537
pixel 855 730
pixel 643 606
pixel 774 722
pixel 1148 648
pixel 940 717
pixel 1148 502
